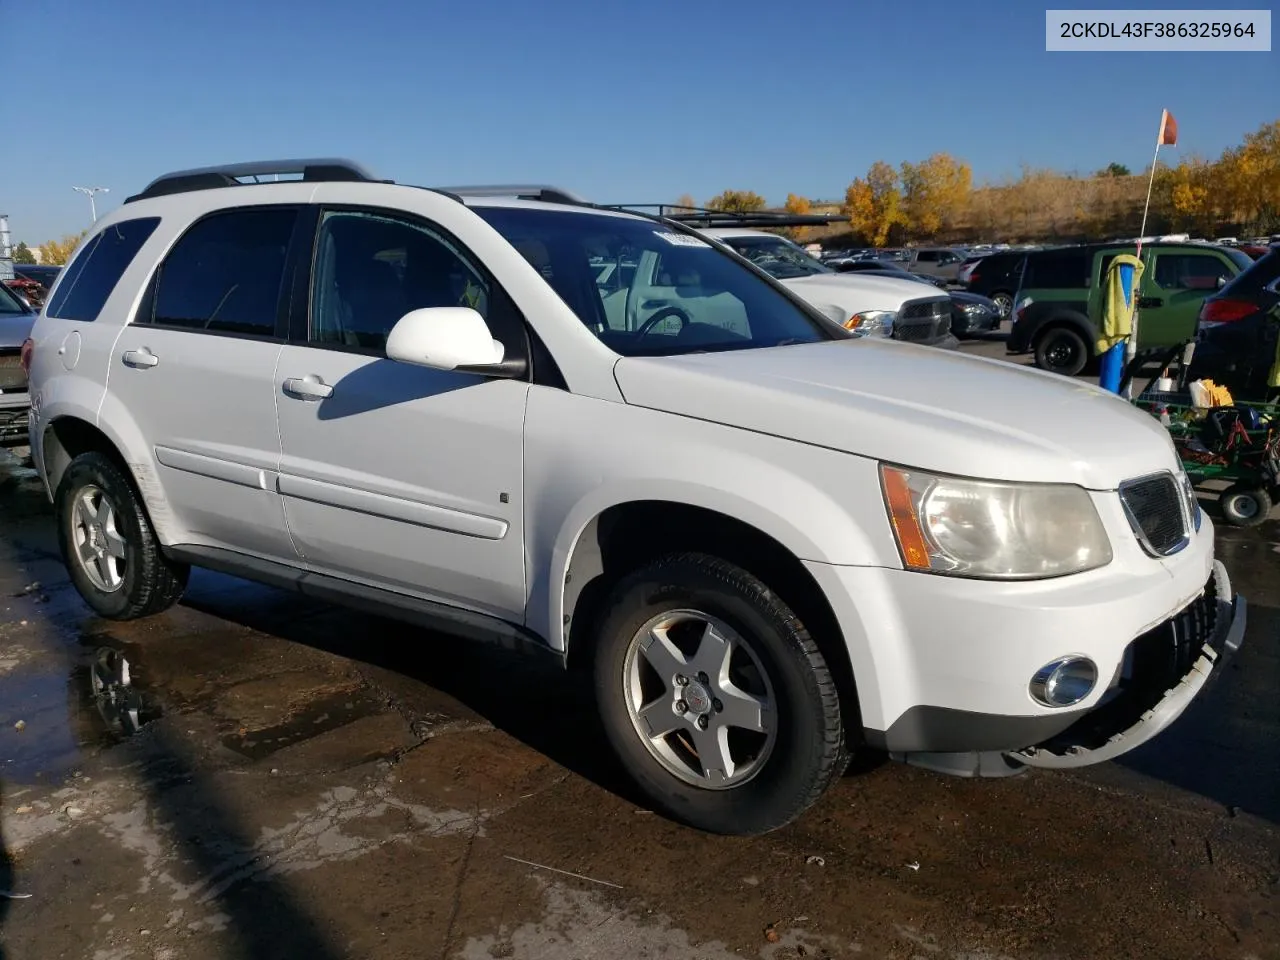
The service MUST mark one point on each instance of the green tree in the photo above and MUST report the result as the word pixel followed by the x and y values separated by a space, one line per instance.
pixel 736 201
pixel 1114 169
pixel 22 254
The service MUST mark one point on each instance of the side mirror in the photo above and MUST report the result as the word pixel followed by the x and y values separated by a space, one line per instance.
pixel 445 338
pixel 1221 282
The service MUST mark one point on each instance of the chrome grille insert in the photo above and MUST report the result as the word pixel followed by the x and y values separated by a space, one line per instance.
pixel 1157 511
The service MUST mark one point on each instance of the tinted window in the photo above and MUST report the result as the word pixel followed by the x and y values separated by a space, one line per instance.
pixel 97 269
pixel 1264 271
pixel 1190 271
pixel 684 296
pixel 224 274
pixel 1056 271
pixel 372 269
pixel 777 256
pixel 927 256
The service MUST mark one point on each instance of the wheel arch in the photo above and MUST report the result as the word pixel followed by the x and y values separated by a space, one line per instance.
pixel 626 535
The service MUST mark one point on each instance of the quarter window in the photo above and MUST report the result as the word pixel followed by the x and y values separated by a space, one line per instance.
pixel 98 268
pixel 224 274
pixel 371 269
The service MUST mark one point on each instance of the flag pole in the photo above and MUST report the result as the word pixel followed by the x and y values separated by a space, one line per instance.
pixel 1131 348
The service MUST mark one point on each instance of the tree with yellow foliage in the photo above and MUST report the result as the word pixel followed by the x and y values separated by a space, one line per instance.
pixel 935 193
pixel 685 203
pixel 1250 178
pixel 736 201
pixel 58 252
pixel 874 204
pixel 799 206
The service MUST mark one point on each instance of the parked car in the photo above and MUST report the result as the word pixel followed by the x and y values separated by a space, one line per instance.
pixel 1059 303
pixel 885 306
pixel 884 268
pixel 34 281
pixel 766 541
pixel 1237 330
pixel 971 313
pixel 16 320
pixel 941 262
pixel 997 275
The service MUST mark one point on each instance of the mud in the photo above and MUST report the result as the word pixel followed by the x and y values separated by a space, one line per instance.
pixel 257 775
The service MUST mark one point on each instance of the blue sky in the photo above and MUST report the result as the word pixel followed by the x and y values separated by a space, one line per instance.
pixel 621 102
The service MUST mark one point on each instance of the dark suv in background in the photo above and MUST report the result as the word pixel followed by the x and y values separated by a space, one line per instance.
pixel 997 276
pixel 1059 304
pixel 1238 328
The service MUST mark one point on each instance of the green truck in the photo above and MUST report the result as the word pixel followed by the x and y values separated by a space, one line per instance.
pixel 1058 307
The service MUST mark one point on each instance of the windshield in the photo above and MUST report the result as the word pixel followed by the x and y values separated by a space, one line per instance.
pixel 646 290
pixel 10 304
pixel 777 256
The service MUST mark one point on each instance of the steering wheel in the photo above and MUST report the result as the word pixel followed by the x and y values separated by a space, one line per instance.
pixel 661 315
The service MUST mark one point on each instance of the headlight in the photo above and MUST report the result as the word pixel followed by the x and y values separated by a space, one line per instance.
pixel 990 529
pixel 974 309
pixel 873 322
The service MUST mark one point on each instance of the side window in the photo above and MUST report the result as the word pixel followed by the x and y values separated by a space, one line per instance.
pixel 224 274
pixel 97 270
pixel 370 270
pixel 1058 271
pixel 927 256
pixel 1190 271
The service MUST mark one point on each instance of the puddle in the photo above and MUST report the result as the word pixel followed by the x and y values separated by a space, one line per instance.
pixel 57 710
pixel 319 716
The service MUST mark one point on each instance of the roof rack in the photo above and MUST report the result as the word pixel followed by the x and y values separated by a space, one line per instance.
pixel 706 217
pixel 519 191
pixel 314 170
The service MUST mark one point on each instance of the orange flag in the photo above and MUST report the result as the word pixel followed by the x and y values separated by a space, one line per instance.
pixel 1168 130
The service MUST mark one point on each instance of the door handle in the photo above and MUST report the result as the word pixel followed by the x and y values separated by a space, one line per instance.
pixel 1150 301
pixel 139 358
pixel 309 387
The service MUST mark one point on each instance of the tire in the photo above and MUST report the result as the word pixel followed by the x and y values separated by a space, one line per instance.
pixel 130 578
pixel 778 773
pixel 1062 350
pixel 1004 301
pixel 1244 505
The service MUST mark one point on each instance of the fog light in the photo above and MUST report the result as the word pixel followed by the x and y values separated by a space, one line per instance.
pixel 1063 682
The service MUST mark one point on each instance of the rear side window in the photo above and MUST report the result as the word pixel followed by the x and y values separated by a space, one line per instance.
pixel 1058 271
pixel 224 274
pixel 95 272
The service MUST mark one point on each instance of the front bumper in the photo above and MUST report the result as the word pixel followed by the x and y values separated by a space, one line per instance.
pixel 966 324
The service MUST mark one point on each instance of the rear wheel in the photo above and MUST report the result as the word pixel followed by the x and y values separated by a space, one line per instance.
pixel 1062 350
pixel 1244 505
pixel 1004 301
pixel 715 697
pixel 107 544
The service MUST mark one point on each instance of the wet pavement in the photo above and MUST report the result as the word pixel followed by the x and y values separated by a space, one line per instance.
pixel 256 775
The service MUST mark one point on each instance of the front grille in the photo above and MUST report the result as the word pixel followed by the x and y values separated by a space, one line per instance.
pixel 12 376
pixel 1154 506
pixel 923 320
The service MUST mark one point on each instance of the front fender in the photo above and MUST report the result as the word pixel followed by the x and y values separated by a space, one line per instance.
pixel 584 456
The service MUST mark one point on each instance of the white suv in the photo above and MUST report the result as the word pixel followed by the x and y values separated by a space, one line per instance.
pixel 769 541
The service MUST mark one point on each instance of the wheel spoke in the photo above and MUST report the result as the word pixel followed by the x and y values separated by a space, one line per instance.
pixel 744 711
pixel 713 753
pixel 86 552
pixel 115 543
pixel 105 571
pixel 659 718
pixel 714 652
pixel 663 655
pixel 86 511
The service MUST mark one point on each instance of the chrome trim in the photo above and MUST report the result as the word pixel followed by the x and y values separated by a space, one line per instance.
pixel 1041 680
pixel 1182 542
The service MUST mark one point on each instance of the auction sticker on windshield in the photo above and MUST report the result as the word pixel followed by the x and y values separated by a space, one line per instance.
pixel 680 239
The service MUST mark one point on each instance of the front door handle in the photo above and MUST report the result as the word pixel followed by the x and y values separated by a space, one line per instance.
pixel 309 387
pixel 1150 302
pixel 140 358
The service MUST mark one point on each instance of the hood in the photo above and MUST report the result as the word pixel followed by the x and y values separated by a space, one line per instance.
pixel 856 292
pixel 14 328
pixel 913 405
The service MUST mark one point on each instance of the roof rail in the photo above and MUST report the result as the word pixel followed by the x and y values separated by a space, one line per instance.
pixel 237 174
pixel 706 217
pixel 519 191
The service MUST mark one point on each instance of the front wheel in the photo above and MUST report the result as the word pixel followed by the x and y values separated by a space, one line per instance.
pixel 110 551
pixel 1062 350
pixel 716 699
pixel 1245 506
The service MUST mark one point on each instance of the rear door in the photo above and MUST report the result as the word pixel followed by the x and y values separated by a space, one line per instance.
pixel 193 371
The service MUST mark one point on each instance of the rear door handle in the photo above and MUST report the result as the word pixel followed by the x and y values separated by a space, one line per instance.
pixel 309 387
pixel 1150 301
pixel 140 358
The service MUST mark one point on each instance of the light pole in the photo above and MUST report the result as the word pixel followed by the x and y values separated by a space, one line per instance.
pixel 89 192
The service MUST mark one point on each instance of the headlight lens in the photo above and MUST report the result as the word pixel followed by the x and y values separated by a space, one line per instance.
pixel 974 309
pixel 990 529
pixel 873 322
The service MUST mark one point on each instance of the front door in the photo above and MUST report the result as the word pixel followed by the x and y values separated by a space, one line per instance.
pixel 195 370
pixel 1174 288
pixel 396 475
